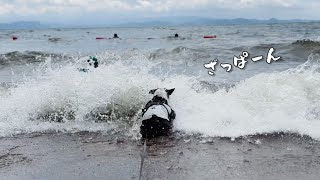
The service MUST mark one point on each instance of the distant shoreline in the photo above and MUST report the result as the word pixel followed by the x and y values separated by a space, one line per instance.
pixel 31 25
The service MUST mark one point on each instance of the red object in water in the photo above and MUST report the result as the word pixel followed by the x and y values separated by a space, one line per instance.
pixel 98 38
pixel 209 37
pixel 14 37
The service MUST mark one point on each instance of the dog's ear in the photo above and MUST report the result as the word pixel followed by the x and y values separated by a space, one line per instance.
pixel 170 91
pixel 152 91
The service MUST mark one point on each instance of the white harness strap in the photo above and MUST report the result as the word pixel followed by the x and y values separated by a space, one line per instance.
pixel 162 111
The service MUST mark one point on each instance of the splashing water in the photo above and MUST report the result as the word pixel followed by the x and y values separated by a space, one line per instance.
pixel 109 99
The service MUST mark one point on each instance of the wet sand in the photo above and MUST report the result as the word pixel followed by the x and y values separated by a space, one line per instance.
pixel 96 156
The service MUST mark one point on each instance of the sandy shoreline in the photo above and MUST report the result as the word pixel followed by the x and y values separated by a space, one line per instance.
pixel 96 156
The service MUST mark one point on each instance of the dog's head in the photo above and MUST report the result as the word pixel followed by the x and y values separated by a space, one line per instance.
pixel 162 92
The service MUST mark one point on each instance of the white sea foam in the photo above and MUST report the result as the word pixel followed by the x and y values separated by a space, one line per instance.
pixel 278 102
pixel 285 101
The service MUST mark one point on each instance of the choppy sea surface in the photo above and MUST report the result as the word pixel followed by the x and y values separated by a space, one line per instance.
pixel 42 89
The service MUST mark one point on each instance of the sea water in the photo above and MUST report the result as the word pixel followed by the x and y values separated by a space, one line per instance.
pixel 42 89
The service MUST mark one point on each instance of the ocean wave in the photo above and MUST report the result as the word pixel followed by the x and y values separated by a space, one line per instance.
pixel 295 51
pixel 307 43
pixel 110 98
pixel 5 88
pixel 179 53
pixel 27 57
pixel 278 102
pixel 54 39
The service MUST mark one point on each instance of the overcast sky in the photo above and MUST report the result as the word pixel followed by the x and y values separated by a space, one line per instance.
pixel 97 11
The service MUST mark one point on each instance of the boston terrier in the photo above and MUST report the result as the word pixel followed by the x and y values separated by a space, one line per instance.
pixel 157 116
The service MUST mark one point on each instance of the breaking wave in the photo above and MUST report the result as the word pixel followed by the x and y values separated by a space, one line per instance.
pixel 295 51
pixel 109 99
pixel 307 43
pixel 179 53
pixel 28 57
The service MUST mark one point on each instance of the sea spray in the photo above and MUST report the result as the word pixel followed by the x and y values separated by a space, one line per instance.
pixel 285 101
pixel 109 98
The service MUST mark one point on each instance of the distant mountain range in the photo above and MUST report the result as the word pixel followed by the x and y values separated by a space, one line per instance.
pixel 149 22
pixel 189 21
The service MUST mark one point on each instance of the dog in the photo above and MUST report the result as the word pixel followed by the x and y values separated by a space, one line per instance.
pixel 157 115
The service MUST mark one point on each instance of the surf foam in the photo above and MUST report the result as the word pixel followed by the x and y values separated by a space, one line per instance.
pixel 286 101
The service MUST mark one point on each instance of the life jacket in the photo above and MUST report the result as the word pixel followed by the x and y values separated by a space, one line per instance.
pixel 158 107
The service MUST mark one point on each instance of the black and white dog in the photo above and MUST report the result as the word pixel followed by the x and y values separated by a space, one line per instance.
pixel 157 116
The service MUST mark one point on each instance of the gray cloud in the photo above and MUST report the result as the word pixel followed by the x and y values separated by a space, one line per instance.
pixel 70 10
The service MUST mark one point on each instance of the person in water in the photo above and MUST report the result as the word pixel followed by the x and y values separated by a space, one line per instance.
pixel 176 35
pixel 115 36
pixel 94 61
